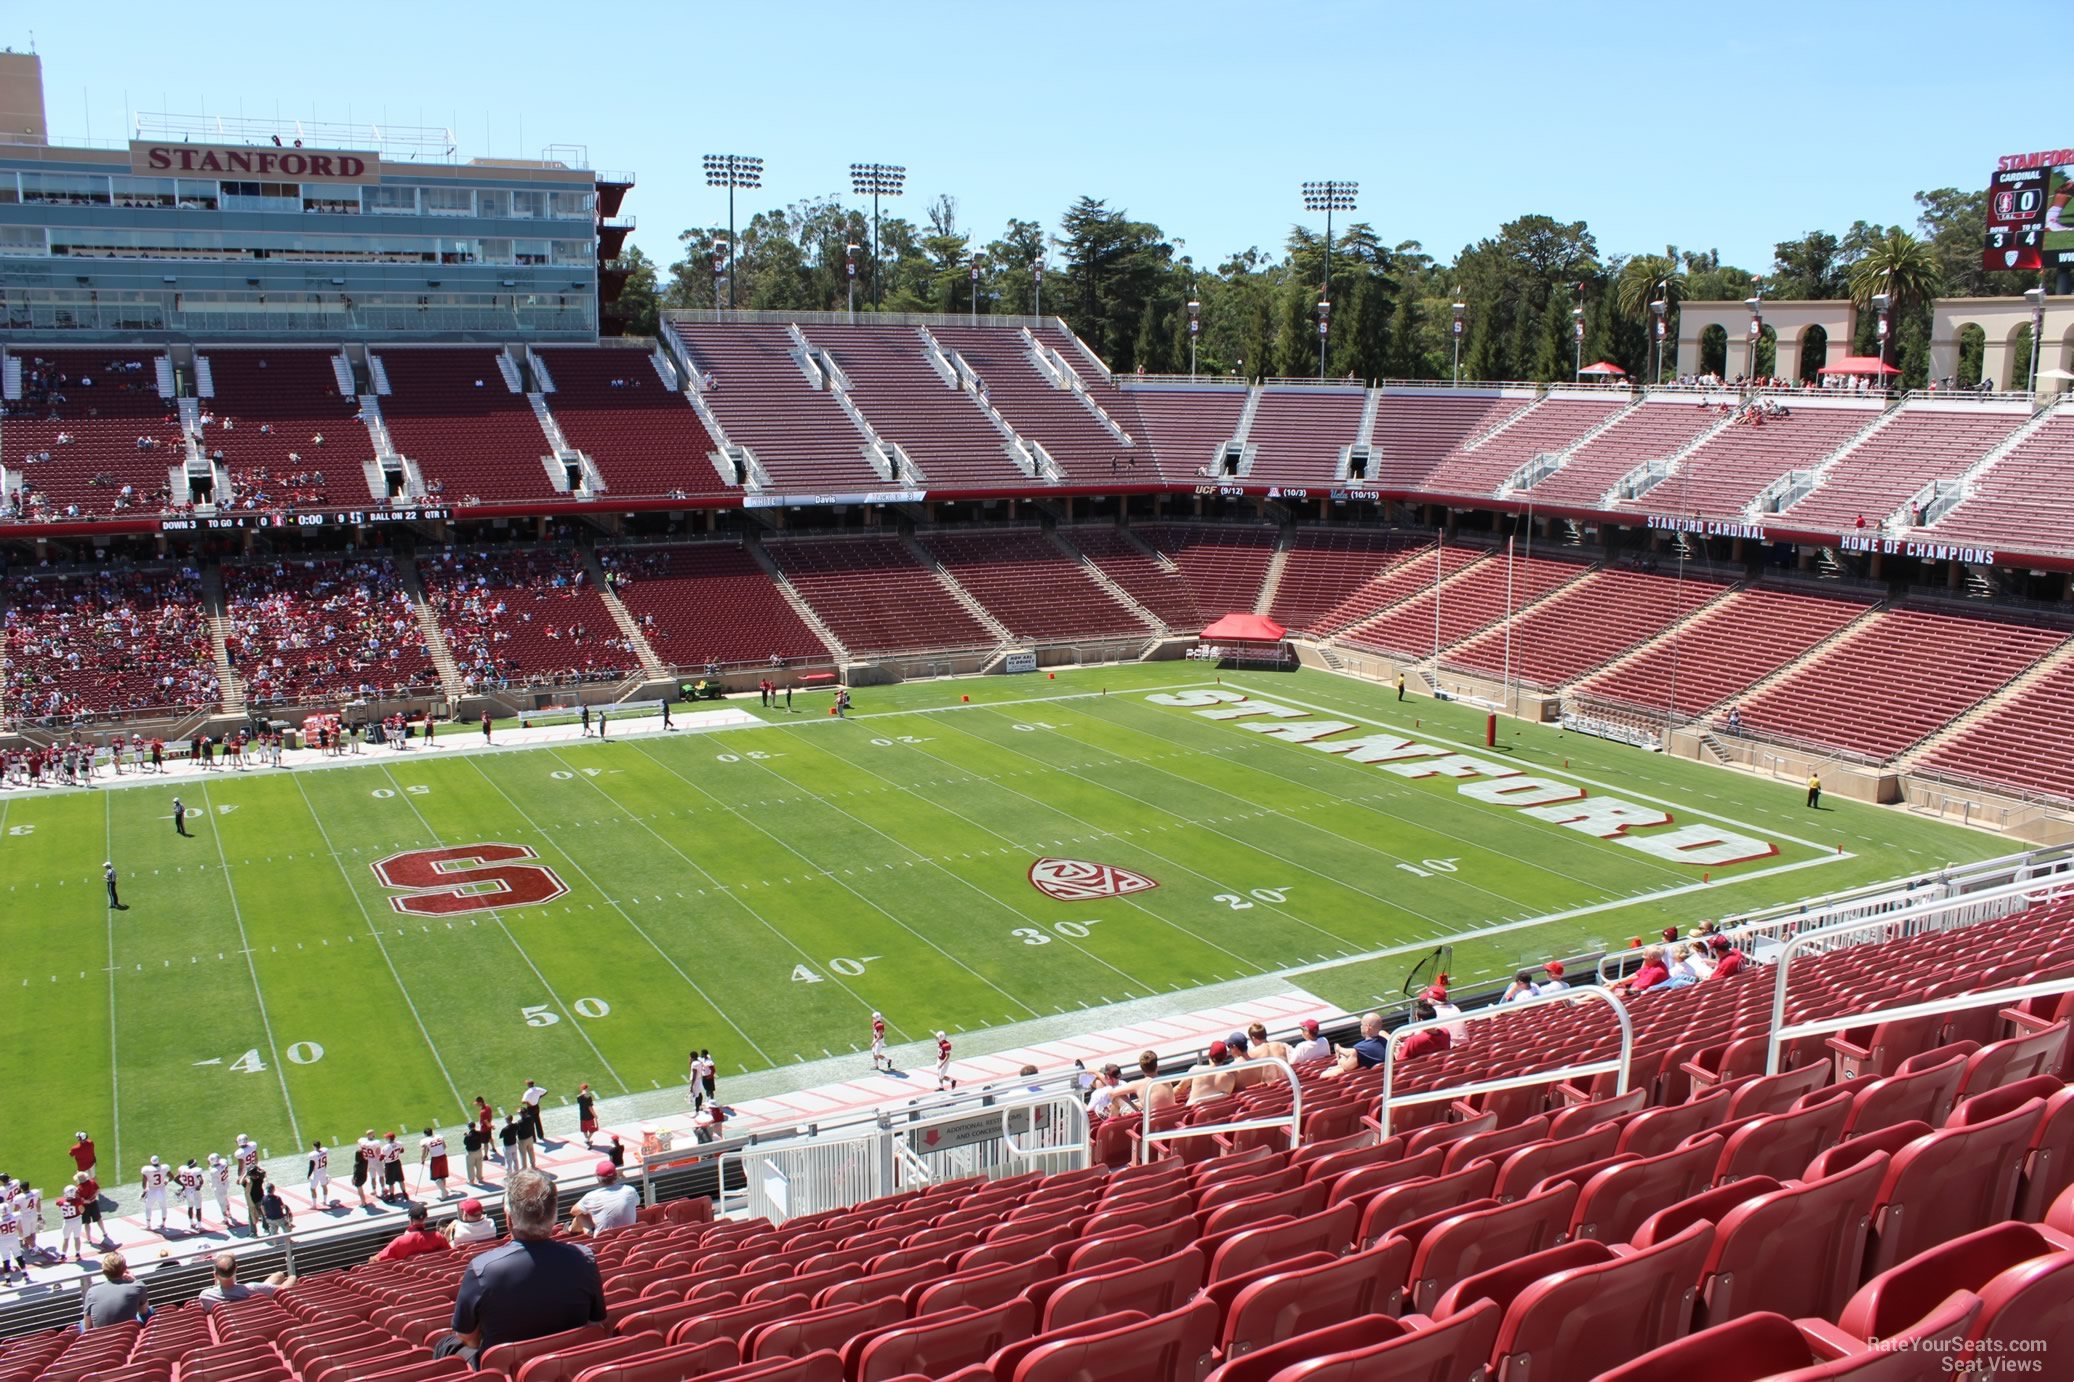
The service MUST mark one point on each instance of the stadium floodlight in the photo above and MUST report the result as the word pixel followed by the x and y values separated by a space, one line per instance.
pixel 1660 309
pixel 721 249
pixel 850 273
pixel 877 180
pixel 1880 303
pixel 1460 309
pixel 732 171
pixel 1037 277
pixel 1328 196
pixel 2036 297
pixel 976 258
pixel 1577 330
pixel 1195 329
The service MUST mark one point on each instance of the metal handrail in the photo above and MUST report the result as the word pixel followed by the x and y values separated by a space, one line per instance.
pixel 1911 917
pixel 1015 1154
pixel 1958 1002
pixel 1617 1066
pixel 1294 1118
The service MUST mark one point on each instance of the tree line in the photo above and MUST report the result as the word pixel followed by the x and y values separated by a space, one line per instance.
pixel 1124 285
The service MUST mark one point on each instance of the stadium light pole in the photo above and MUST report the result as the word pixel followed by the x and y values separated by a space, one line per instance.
pixel 1037 279
pixel 732 171
pixel 1195 329
pixel 1659 309
pixel 2036 297
pixel 1756 305
pixel 721 251
pixel 877 180
pixel 1328 196
pixel 976 258
pixel 850 272
pixel 1577 330
pixel 1459 309
pixel 1880 303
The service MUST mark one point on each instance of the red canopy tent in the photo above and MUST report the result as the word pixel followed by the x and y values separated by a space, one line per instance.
pixel 1243 639
pixel 1860 364
pixel 1246 628
pixel 1602 367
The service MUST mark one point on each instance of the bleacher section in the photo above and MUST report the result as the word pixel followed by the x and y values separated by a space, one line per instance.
pixel 1400 582
pixel 1300 433
pixel 523 615
pixel 473 439
pixel 270 409
pixel 1416 432
pixel 2025 500
pixel 1054 417
pixel 1467 605
pixel 1649 431
pixel 1907 672
pixel 645 438
pixel 90 426
pixel 875 597
pixel 305 631
pixel 1591 623
pixel 1161 588
pixel 1725 473
pixel 906 401
pixel 708 602
pixel 2023 746
pixel 1225 567
pixel 799 434
pixel 1188 428
pixel 1552 425
pixel 1325 566
pixel 103 642
pixel 1919 443
pixel 1725 651
pixel 1029 585
pixel 1908 1181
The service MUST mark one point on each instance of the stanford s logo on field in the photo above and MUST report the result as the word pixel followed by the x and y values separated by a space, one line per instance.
pixel 457 879
pixel 1078 880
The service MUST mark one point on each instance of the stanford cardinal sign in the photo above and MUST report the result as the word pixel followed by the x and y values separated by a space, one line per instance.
pixel 1077 880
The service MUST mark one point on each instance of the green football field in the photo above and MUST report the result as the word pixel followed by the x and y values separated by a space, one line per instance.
pixel 288 970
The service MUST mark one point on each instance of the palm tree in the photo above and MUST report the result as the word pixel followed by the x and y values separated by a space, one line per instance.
pixel 1645 279
pixel 1901 266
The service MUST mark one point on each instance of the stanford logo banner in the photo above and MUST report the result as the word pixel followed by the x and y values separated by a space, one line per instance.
pixel 1077 880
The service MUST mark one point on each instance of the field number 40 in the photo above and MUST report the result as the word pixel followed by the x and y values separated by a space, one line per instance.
pixel 1240 904
pixel 842 964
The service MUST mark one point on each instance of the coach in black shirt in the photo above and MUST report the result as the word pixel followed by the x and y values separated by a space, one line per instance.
pixel 532 1286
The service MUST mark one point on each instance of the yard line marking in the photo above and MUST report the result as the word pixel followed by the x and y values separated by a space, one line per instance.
pixel 623 915
pixel 394 974
pixel 114 1080
pixel 252 967
pixel 496 915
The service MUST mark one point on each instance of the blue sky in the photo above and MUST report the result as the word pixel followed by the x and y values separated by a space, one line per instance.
pixel 1660 125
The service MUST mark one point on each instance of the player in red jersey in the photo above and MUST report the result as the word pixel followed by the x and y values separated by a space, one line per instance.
pixel 943 1063
pixel 879 1060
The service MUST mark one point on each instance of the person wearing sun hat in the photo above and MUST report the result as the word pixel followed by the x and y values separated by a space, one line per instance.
pixel 1436 995
pixel 613 1204
pixel 473 1226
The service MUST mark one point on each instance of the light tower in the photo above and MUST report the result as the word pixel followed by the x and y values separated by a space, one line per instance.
pixel 1328 196
pixel 732 171
pixel 877 180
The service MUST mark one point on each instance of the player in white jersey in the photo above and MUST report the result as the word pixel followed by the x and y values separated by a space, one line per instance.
pixel 219 1186
pixel 11 1243
pixel 320 1174
pixel 246 1154
pixel 878 1043
pixel 71 1238
pixel 943 1063
pixel 29 1205
pixel 189 1178
pixel 432 1160
pixel 153 1183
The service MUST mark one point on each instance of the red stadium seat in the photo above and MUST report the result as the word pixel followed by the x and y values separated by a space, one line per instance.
pixel 1612 1204
pixel 981 1287
pixel 1800 1248
pixel 1572 1326
pixel 508 1358
pixel 1468 1243
pixel 810 1331
pixel 1172 1347
pixel 2018 1058
pixel 1284 1351
pixel 1329 1230
pixel 1154 1287
pixel 1772 1348
pixel 1520 1170
pixel 949 1340
pixel 1951 1182
pixel 736 1322
pixel 1923 1094
pixel 563 1365
pixel 1281 1305
pixel 1655 1131
pixel 826 1366
pixel 1400 1204
pixel 1901 1295
pixel 1780 1145
pixel 1444 1351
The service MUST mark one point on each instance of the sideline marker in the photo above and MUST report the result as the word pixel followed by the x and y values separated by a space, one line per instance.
pixel 966 699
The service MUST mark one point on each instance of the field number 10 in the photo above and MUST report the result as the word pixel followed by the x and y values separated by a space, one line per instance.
pixel 1426 868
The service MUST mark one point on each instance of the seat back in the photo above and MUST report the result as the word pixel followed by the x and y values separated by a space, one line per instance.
pixel 1706 1207
pixel 1464 1150
pixel 1282 1305
pixel 1655 1131
pixel 2024 1311
pixel 1901 1295
pixel 1775 1093
pixel 735 1322
pixel 2018 1058
pixel 1579 1118
pixel 564 1364
pixel 1950 1183
pixel 1171 1347
pixel 1781 1145
pixel 1154 1287
pixel 1266 1363
pixel 1447 1351
pixel 810 1331
pixel 981 1287
pixel 1574 1325
pixel 1329 1230
pixel 1797 1250
pixel 1468 1243
pixel 1924 1094
pixel 1131 1245
pixel 1615 1201
pixel 1520 1170
pixel 825 1366
pixel 1355 1181
pixel 950 1342
pixel 1400 1204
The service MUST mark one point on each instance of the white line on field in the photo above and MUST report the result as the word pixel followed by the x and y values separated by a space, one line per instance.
pixel 237 914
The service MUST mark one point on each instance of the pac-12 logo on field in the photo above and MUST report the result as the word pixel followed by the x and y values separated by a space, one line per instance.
pixel 456 879
pixel 1078 880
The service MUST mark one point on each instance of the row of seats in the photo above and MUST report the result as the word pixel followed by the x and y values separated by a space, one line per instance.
pixel 284 431
pixel 645 437
pixel 1650 431
pixel 1321 566
pixel 1723 475
pixel 896 387
pixel 708 602
pixel 1552 425
pixel 1032 585
pixel 1479 597
pixel 106 642
pixel 875 597
pixel 1416 433
pixel 529 614
pixel 314 630
pixel 1587 625
pixel 93 435
pixel 452 411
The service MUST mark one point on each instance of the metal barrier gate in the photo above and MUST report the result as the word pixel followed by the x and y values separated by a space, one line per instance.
pixel 1617 1065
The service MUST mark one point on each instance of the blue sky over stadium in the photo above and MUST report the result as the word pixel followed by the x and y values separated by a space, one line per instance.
pixel 1654 124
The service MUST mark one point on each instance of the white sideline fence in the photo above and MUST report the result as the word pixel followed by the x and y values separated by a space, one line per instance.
pixel 1617 1066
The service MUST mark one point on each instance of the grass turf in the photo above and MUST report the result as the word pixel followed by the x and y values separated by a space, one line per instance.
pixel 761 891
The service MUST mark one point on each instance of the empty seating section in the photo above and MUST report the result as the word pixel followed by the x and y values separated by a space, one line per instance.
pixel 529 615
pixel 1300 433
pixel 1474 601
pixel 2024 745
pixel 907 401
pixel 1647 432
pixel 307 630
pixel 645 436
pixel 1188 429
pixel 1401 581
pixel 1226 567
pixel 1917 444
pixel 1324 566
pixel 875 597
pixel 473 439
pixel 1725 473
pixel 1056 418
pixel 100 642
pixel 1416 432
pixel 1908 673
pixel 90 436
pixel 1587 625
pixel 1657 1237
pixel 282 429
pixel 1551 425
pixel 1157 585
pixel 1036 590
pixel 763 401
pixel 1728 649
pixel 2023 501
pixel 708 602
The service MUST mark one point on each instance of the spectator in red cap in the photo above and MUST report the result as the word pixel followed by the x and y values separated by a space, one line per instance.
pixel 612 1205
pixel 1670 935
pixel 473 1226
pixel 1313 1047
pixel 1204 1081
pixel 417 1237
pixel 1554 983
pixel 1436 995
pixel 1429 1041
pixel 1727 959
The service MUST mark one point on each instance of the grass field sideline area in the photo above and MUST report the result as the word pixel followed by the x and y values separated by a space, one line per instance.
pixel 330 948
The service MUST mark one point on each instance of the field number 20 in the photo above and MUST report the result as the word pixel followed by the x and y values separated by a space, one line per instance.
pixel 541 1015
pixel 1240 904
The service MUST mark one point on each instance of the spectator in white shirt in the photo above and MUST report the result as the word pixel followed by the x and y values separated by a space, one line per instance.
pixel 473 1226
pixel 1521 988
pixel 1554 982
pixel 1313 1047
pixel 612 1205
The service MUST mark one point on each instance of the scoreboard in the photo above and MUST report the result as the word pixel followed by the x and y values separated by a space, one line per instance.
pixel 2027 198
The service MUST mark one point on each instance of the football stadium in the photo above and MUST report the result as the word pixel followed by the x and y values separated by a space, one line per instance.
pixel 871 806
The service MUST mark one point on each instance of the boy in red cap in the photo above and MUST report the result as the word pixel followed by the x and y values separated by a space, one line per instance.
pixel 1312 1047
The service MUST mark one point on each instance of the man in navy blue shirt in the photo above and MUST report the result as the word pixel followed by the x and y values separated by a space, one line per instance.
pixel 532 1286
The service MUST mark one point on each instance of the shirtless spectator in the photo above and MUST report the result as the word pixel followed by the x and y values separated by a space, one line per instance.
pixel 1207 1079
pixel 1149 1090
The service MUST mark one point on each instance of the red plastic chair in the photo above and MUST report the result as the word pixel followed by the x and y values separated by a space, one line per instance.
pixel 1428 1351
pixel 1950 1183
pixel 1154 1287
pixel 734 1323
pixel 826 1366
pixel 1655 1131
pixel 1400 1204
pixel 2018 1058
pixel 565 1364
pixel 1282 1305
pixel 1924 1094
pixel 1772 1348
pixel 1800 1248
pixel 1329 1230
pixel 1468 1243
pixel 1574 1325
pixel 945 1342
pixel 1901 1295
pixel 810 1331
pixel 1615 1201
pixel 1172 1347
pixel 508 1358
pixel 1264 1363
pixel 981 1287
pixel 1780 1145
